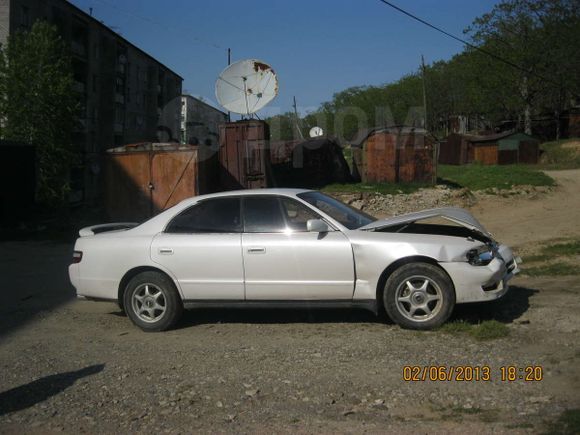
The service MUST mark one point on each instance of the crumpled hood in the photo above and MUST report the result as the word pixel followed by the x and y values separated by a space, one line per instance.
pixel 453 214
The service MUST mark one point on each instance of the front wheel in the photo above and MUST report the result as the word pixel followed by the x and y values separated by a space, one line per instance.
pixel 419 296
pixel 151 301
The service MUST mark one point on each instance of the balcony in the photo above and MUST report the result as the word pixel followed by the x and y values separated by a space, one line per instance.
pixel 79 87
pixel 81 125
pixel 78 48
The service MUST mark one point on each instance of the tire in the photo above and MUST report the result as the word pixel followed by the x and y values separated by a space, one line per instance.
pixel 152 303
pixel 419 296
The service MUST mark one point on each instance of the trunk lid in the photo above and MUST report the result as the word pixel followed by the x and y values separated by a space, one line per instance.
pixel 103 228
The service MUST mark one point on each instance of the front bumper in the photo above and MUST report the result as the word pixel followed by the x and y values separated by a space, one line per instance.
pixel 483 283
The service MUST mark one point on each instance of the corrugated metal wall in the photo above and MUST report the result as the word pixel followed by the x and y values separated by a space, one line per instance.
pixel 391 157
pixel 453 151
pixel 243 155
pixel 486 154
pixel 140 183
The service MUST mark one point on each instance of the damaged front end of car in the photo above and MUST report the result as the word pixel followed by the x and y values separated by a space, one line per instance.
pixel 482 272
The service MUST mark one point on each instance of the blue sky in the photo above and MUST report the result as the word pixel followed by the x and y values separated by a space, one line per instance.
pixel 316 47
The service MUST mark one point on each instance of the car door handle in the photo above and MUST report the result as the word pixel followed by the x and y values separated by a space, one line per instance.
pixel 165 251
pixel 256 250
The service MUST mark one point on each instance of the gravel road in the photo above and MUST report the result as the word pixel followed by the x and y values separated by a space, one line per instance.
pixel 80 367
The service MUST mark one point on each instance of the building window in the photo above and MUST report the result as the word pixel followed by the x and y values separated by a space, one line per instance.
pixel 119 115
pixel 119 85
pixel 24 17
pixel 95 83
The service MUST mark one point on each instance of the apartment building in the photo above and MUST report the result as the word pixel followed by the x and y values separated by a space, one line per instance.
pixel 122 90
pixel 190 120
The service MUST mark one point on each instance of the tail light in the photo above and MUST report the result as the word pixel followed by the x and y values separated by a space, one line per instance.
pixel 77 256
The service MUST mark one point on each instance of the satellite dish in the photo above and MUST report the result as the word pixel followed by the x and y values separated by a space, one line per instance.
pixel 316 132
pixel 246 86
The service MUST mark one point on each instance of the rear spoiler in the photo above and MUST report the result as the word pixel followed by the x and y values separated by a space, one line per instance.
pixel 96 229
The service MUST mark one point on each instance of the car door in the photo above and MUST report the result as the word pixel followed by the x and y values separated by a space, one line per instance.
pixel 283 261
pixel 202 248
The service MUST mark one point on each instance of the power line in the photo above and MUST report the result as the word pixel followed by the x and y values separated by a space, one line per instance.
pixel 469 44
pixel 163 26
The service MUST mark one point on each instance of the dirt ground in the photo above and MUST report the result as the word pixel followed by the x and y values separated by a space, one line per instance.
pixel 80 367
pixel 520 221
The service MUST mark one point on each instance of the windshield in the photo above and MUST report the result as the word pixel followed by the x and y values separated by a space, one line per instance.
pixel 348 216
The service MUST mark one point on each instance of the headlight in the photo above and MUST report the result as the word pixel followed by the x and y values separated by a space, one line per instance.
pixel 481 256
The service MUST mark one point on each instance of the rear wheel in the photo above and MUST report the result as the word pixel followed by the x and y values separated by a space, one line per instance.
pixel 151 301
pixel 419 296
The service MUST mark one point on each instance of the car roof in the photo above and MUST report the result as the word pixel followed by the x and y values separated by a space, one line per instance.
pixel 158 222
pixel 247 192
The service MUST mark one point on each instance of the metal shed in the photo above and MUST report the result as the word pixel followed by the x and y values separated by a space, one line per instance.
pixel 454 150
pixel 144 179
pixel 243 155
pixel 518 148
pixel 393 155
pixel 493 149
pixel 308 163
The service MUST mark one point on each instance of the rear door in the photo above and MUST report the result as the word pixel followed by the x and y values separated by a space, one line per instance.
pixel 283 261
pixel 202 248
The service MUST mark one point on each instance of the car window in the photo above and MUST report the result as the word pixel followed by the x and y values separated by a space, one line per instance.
pixel 296 214
pixel 348 216
pixel 262 214
pixel 220 215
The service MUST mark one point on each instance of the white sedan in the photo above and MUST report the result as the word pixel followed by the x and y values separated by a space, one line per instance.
pixel 290 248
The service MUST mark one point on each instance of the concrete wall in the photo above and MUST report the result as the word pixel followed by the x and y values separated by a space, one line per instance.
pixel 122 89
pixel 4 20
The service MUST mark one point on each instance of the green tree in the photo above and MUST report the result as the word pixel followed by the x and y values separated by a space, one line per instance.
pixel 542 38
pixel 282 127
pixel 38 104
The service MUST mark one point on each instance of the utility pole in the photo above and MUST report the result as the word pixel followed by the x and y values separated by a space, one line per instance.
pixel 424 93
pixel 296 119
pixel 425 124
pixel 229 63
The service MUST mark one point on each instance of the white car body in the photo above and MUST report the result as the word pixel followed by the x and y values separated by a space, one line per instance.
pixel 339 266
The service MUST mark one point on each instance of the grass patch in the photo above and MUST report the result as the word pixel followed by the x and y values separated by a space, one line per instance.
pixel 384 188
pixel 556 155
pixel 567 424
pixel 563 249
pixel 537 258
pixel 489 416
pixel 552 254
pixel 481 177
pixel 456 327
pixel 486 330
pixel 462 410
pixel 489 330
pixel 554 269
pixel 520 426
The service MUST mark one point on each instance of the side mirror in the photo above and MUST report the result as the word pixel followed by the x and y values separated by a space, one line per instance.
pixel 317 226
